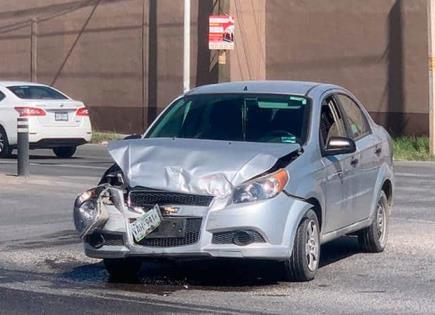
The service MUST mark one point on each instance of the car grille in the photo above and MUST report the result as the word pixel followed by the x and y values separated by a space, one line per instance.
pixel 192 231
pixel 227 237
pixel 144 198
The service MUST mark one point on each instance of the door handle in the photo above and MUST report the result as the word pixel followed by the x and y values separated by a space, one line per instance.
pixel 354 162
pixel 378 151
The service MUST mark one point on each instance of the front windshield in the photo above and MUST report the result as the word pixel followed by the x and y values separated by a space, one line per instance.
pixel 236 117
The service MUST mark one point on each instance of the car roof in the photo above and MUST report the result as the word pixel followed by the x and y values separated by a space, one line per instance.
pixel 269 86
pixel 15 83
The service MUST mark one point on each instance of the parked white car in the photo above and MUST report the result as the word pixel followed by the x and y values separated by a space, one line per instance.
pixel 55 120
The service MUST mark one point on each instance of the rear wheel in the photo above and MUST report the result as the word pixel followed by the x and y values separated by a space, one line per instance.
pixel 374 238
pixel 5 149
pixel 122 269
pixel 65 152
pixel 303 263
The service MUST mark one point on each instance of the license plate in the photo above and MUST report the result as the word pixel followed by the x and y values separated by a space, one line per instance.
pixel 145 224
pixel 170 228
pixel 61 116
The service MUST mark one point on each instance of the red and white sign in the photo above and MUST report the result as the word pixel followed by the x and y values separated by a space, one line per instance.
pixel 221 32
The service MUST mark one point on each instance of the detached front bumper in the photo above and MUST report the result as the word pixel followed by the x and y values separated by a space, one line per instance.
pixel 271 223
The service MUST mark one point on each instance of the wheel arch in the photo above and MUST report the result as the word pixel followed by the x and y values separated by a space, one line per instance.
pixel 387 188
pixel 317 208
pixel 384 182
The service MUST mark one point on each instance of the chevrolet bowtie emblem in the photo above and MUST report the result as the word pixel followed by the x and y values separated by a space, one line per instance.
pixel 168 210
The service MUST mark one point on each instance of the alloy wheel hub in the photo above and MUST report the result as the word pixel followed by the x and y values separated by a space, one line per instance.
pixel 381 222
pixel 312 245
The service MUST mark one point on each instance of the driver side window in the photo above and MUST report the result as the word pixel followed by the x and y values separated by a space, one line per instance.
pixel 331 121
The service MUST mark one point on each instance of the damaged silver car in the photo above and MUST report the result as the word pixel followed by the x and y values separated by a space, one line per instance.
pixel 254 170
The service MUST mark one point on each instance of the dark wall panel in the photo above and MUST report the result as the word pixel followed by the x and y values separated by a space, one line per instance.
pixel 376 49
pixel 123 58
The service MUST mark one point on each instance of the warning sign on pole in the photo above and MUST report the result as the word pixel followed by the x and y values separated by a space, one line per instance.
pixel 221 32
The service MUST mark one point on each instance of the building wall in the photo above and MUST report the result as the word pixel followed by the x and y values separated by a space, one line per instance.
pixel 123 58
pixel 376 49
pixel 248 59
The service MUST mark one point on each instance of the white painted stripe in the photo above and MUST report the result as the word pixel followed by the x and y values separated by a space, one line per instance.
pixel 23 130
pixel 415 175
pixel 76 166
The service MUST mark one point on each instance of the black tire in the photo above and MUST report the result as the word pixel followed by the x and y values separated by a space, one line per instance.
pixel 5 149
pixel 65 152
pixel 373 239
pixel 122 269
pixel 301 266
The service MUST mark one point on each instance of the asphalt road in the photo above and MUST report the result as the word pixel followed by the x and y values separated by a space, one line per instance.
pixel 43 268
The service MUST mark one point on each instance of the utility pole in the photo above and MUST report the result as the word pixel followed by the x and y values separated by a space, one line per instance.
pixel 222 7
pixel 186 52
pixel 34 50
pixel 431 64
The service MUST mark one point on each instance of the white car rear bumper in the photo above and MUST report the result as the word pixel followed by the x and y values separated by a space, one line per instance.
pixel 48 137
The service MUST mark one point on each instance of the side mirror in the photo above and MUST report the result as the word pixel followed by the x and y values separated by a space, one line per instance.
pixel 340 145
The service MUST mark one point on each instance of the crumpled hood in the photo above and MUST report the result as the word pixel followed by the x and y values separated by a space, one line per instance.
pixel 204 167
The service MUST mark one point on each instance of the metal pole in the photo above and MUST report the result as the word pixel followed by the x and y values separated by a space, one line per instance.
pixel 431 44
pixel 23 146
pixel 186 54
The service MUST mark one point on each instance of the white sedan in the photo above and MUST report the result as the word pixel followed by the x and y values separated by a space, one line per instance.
pixel 55 120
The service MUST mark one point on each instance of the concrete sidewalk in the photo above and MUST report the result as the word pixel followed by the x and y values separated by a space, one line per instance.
pixel 49 182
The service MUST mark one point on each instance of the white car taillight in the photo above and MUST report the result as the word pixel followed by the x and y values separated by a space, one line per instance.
pixel 26 111
pixel 82 111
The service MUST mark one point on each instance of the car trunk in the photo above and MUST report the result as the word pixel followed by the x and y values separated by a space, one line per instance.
pixel 60 113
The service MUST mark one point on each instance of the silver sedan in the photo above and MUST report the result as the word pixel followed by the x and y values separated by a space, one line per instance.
pixel 253 170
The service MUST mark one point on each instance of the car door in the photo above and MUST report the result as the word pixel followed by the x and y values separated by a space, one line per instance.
pixel 365 161
pixel 338 170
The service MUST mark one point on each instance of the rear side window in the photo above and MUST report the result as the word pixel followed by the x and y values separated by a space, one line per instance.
pixel 33 92
pixel 2 96
pixel 356 119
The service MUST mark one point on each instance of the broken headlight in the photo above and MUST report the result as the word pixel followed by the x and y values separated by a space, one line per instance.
pixel 260 188
pixel 88 212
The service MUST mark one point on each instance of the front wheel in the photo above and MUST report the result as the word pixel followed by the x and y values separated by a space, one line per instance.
pixel 303 263
pixel 373 239
pixel 122 269
pixel 64 152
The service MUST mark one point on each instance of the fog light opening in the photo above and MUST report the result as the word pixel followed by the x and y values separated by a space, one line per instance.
pixel 242 238
pixel 96 240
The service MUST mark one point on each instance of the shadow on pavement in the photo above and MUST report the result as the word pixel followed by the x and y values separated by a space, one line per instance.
pixel 164 276
pixel 339 249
